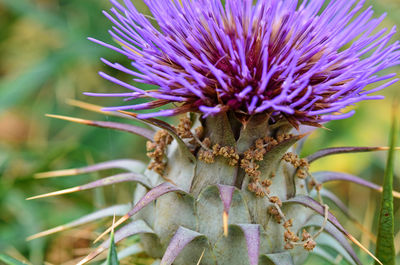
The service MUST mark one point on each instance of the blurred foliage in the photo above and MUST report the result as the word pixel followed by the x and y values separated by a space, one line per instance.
pixel 45 59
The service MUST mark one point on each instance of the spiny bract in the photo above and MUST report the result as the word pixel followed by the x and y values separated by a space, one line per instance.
pixel 226 185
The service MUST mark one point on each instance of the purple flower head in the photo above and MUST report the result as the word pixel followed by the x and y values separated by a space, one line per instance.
pixel 290 59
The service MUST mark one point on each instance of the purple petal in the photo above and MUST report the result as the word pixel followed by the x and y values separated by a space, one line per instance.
pixel 302 61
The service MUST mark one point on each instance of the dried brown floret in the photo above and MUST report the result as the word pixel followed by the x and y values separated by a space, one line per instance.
pixel 216 148
pixel 275 199
pixel 301 164
pixel 311 184
pixel 290 236
pixel 266 183
pixel 309 244
pixel 259 143
pixel 255 187
pixel 288 246
pixel 250 168
pixel 305 235
pixel 272 210
pixel 207 142
pixel 301 173
pixel 259 153
pixel 199 131
pixel 157 149
pixel 288 223
pixel 183 128
pixel 206 156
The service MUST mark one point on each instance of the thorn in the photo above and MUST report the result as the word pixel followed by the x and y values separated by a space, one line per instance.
pixel 86 106
pixel 128 113
pixel 385 148
pixel 396 194
pixel 47 232
pixel 72 119
pixel 120 221
pixel 57 173
pixel 201 257
pixel 355 241
pixel 225 218
pixel 91 256
pixel 56 193
pixel 113 223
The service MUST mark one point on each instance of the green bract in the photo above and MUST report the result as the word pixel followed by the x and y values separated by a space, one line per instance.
pixel 224 190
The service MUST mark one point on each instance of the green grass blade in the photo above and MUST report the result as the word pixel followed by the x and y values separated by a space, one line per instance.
pixel 385 250
pixel 112 258
pixel 10 260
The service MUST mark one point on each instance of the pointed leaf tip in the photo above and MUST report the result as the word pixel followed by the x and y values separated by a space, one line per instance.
pixel 123 177
pixel 328 176
pixel 252 235
pixel 331 230
pixel 317 207
pixel 344 150
pixel 152 195
pixel 136 227
pixel 226 194
pixel 385 247
pixel 179 241
pixel 112 257
pixel 146 133
pixel 165 126
pixel 102 213
pixel 125 164
pixel 279 258
pixel 338 202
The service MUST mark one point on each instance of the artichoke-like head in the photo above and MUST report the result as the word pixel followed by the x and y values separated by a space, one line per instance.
pixel 250 79
pixel 241 195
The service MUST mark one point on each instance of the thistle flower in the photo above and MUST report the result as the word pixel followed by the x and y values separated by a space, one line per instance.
pixel 298 61
pixel 228 187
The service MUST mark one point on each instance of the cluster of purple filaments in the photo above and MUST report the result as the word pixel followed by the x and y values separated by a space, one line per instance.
pixel 289 59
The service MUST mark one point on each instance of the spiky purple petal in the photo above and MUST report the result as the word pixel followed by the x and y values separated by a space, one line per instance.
pixel 304 62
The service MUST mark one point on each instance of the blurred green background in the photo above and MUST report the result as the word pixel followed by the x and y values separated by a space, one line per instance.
pixel 46 59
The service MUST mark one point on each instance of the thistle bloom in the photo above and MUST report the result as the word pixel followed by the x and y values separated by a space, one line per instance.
pixel 289 59
pixel 233 189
